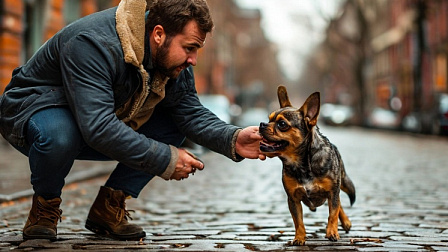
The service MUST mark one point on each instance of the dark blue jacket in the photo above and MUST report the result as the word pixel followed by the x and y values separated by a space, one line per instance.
pixel 82 67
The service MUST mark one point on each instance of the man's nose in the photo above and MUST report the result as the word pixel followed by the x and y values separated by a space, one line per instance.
pixel 193 59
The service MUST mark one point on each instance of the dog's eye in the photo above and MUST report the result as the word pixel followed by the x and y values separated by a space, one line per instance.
pixel 282 125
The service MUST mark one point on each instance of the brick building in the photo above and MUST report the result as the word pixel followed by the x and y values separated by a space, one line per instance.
pixel 26 25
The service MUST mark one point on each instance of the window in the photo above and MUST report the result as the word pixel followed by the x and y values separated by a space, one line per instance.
pixel 33 27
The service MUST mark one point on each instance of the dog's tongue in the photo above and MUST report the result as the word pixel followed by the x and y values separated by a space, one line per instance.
pixel 266 146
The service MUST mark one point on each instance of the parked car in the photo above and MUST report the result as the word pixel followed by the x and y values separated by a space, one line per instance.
pixel 384 118
pixel 434 121
pixel 412 123
pixel 336 114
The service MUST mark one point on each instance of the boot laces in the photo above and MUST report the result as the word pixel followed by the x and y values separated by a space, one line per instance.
pixel 50 213
pixel 122 213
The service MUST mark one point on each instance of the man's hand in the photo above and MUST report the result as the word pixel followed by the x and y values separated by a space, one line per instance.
pixel 186 163
pixel 248 143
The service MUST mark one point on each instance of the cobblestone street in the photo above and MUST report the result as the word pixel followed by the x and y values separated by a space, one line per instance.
pixel 401 205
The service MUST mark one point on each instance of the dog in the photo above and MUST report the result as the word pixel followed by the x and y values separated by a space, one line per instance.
pixel 313 171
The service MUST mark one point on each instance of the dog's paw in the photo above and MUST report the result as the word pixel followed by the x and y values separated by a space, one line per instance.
pixel 332 235
pixel 297 242
pixel 346 225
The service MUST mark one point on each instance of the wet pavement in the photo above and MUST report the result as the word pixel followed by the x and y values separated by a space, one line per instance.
pixel 402 202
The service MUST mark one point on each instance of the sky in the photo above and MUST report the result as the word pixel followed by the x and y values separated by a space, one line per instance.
pixel 295 26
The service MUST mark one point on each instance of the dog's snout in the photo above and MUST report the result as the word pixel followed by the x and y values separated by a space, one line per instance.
pixel 263 125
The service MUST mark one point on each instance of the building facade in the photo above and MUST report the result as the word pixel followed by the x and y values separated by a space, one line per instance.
pixel 26 25
pixel 388 60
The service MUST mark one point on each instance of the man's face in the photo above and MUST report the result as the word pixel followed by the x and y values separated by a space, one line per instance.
pixel 180 51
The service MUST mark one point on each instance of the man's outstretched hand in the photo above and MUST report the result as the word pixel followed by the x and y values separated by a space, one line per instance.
pixel 248 143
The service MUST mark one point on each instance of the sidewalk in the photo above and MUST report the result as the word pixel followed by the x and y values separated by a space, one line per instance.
pixel 15 172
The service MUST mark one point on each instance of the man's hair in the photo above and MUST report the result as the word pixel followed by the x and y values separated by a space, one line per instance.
pixel 173 15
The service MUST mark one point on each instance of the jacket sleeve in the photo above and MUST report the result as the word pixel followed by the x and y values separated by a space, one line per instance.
pixel 89 70
pixel 195 121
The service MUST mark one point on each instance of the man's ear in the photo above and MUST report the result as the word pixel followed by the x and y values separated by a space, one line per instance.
pixel 283 98
pixel 158 34
pixel 311 109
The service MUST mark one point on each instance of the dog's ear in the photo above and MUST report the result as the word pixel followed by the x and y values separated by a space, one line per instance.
pixel 311 109
pixel 283 98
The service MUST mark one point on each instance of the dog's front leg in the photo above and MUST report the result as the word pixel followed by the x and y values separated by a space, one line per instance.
pixel 295 208
pixel 334 206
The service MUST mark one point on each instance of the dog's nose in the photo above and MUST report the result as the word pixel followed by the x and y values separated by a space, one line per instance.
pixel 263 125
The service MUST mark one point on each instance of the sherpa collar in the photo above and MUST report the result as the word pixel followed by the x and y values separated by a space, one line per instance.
pixel 130 26
pixel 130 18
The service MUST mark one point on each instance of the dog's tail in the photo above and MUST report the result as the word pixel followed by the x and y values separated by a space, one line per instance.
pixel 348 187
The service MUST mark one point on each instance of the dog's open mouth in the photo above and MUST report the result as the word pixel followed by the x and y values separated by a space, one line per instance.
pixel 271 146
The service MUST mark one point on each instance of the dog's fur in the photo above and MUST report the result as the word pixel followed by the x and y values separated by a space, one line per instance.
pixel 313 170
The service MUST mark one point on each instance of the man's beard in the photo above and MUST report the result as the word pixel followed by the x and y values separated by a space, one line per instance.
pixel 161 61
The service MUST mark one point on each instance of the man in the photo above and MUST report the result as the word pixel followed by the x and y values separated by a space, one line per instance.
pixel 115 85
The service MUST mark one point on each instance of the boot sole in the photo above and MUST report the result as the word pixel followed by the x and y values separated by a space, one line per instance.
pixel 105 231
pixel 41 237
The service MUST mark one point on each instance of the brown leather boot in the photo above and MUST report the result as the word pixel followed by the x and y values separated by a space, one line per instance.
pixel 43 219
pixel 108 216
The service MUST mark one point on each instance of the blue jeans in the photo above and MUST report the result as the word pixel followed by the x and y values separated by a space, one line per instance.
pixel 55 142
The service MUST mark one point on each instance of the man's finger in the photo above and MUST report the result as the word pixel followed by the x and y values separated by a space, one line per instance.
pixel 197 163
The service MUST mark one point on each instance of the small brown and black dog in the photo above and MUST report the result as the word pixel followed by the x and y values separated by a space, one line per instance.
pixel 313 170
